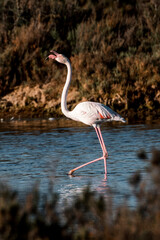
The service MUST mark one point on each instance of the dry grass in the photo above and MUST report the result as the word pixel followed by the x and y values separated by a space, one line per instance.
pixel 114 47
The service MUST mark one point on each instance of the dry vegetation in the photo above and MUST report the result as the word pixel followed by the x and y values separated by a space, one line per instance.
pixel 89 217
pixel 114 47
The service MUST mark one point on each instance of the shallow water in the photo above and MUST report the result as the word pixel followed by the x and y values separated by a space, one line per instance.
pixel 40 151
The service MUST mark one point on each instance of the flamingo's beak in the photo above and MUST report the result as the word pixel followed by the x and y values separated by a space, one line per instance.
pixel 53 55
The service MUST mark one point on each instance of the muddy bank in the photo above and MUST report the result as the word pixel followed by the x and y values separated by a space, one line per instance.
pixel 43 101
pixel 33 102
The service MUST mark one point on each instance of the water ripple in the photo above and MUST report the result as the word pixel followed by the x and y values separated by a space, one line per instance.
pixel 42 151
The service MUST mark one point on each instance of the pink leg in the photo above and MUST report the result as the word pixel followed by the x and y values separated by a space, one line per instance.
pixel 83 165
pixel 105 154
pixel 99 134
pixel 104 150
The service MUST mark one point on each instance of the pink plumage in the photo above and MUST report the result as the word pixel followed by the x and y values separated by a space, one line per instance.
pixel 90 113
pixel 94 113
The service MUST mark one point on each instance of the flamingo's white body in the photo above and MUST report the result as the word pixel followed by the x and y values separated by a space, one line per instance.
pixel 90 113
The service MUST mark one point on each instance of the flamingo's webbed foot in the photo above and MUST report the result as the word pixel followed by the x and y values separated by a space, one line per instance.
pixel 70 172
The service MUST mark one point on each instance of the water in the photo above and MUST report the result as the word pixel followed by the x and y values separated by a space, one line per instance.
pixel 40 151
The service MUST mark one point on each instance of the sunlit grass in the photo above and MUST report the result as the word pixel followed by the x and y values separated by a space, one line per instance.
pixel 113 47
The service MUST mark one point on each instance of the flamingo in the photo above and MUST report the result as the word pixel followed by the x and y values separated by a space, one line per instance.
pixel 90 113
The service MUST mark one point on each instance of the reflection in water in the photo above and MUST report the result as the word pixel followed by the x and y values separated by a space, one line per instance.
pixel 43 151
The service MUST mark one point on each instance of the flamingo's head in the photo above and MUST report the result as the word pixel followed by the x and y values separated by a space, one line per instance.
pixel 58 57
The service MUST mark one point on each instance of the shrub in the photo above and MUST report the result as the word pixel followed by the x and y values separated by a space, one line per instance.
pixel 89 216
pixel 114 45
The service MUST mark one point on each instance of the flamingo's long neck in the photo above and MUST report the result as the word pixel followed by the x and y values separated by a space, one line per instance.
pixel 64 108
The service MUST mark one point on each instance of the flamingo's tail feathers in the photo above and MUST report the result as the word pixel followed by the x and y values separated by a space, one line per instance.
pixel 119 118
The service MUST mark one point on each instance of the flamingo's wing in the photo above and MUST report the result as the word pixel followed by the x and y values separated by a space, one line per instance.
pixel 92 112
